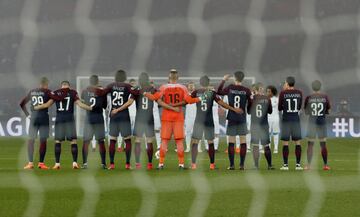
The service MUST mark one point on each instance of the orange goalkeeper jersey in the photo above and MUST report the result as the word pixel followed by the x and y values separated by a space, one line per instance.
pixel 172 94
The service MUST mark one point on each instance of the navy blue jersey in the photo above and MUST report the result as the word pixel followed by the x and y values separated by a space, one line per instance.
pixel 204 113
pixel 290 102
pixel 259 109
pixel 95 97
pixel 65 107
pixel 317 106
pixel 119 92
pixel 238 97
pixel 37 96
pixel 144 106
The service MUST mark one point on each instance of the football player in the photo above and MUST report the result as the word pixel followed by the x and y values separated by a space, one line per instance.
pixel 273 118
pixel 190 114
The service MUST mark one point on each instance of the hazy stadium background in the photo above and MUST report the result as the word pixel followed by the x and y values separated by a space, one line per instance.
pixel 268 39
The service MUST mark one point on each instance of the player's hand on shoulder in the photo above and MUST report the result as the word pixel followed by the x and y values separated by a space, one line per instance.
pixel 226 77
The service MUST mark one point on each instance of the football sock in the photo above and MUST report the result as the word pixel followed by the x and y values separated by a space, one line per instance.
pixel 310 151
pixel 276 141
pixel 102 151
pixel 137 152
pixel 85 150
pixel 149 151
pixel 112 150
pixel 268 155
pixel 324 152
pixel 216 143
pixel 57 152
pixel 231 153
pixel 158 140
pixel 256 155
pixel 31 150
pixel 298 153
pixel 242 153
pixel 163 149
pixel 180 150
pixel 128 150
pixel 211 153
pixel 74 152
pixel 285 154
pixel 194 152
pixel 42 150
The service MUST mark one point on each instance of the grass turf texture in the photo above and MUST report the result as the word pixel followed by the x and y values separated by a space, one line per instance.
pixel 96 192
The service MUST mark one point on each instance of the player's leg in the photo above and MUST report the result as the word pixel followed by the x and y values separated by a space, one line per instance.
pixel 231 132
pixel 296 137
pixel 209 135
pixel 166 132
pixel 311 134
pixel 44 135
pixel 59 137
pixel 179 140
pixel 113 133
pixel 125 130
pixel 285 137
pixel 100 137
pixel 139 130
pixel 276 133
pixel 265 142
pixel 242 130
pixel 87 137
pixel 33 131
pixel 150 151
pixel 71 135
pixel 322 134
pixel 196 137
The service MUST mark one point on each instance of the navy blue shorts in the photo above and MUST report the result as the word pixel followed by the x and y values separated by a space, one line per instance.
pixel 202 129
pixel 260 134
pixel 236 129
pixel 94 129
pixel 65 131
pixel 39 126
pixel 122 126
pixel 316 130
pixel 144 128
pixel 290 130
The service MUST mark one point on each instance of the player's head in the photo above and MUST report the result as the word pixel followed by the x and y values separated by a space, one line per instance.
pixel 132 82
pixel 44 82
pixel 120 76
pixel 191 86
pixel 289 82
pixel 239 76
pixel 205 81
pixel 152 83
pixel 144 80
pixel 94 80
pixel 316 85
pixel 259 88
pixel 271 91
pixel 173 75
pixel 65 84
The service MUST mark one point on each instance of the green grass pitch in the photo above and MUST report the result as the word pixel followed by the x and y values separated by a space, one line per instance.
pixel 95 192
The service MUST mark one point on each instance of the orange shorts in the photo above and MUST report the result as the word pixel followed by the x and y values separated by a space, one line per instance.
pixel 168 128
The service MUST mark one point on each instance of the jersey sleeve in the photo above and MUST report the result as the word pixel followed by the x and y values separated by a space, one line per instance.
pixel 75 95
pixel 156 95
pixel 194 93
pixel 216 97
pixel 59 95
pixel 189 99
pixel 280 102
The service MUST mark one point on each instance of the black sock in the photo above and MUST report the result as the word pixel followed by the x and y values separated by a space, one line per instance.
pixel 57 152
pixel 324 152
pixel 242 154
pixel 298 153
pixel 267 153
pixel 74 152
pixel 128 150
pixel 112 150
pixel 102 151
pixel 194 152
pixel 211 153
pixel 31 150
pixel 150 151
pixel 137 152
pixel 286 154
pixel 310 151
pixel 42 150
pixel 85 150
pixel 231 154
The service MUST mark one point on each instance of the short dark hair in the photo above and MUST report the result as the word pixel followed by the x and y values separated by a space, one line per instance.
pixel 290 81
pixel 205 81
pixel 94 80
pixel 144 80
pixel 316 85
pixel 120 76
pixel 65 82
pixel 272 89
pixel 132 80
pixel 239 76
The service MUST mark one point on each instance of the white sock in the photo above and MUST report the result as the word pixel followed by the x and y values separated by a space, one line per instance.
pixel 276 141
pixel 158 140
pixel 188 140
pixel 93 143
pixel 216 143
pixel 237 142
pixel 248 139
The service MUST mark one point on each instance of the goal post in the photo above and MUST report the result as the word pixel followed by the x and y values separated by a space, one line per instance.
pixel 83 81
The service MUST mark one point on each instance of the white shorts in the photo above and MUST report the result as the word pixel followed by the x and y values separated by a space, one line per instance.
pixel 189 125
pixel 274 125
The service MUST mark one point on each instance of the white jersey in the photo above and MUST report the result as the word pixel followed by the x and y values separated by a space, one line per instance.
pixel 275 112
pixel 190 112
pixel 215 110
pixel 132 110
pixel 156 112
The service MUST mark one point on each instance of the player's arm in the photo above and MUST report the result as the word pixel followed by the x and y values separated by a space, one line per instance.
pixel 45 105
pixel 270 110
pixel 23 103
pixel 153 97
pixel 280 102
pixel 123 107
pixel 58 95
pixel 221 90
pixel 227 106
pixel 167 106
pixel 179 104
pixel 82 105
pixel 306 108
